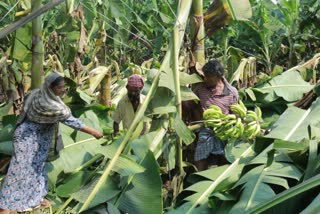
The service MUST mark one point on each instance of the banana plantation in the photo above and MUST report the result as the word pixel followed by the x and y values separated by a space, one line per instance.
pixel 270 50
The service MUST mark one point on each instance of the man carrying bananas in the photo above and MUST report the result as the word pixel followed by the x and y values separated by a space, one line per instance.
pixel 215 90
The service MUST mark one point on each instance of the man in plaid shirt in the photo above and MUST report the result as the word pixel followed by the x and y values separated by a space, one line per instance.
pixel 215 90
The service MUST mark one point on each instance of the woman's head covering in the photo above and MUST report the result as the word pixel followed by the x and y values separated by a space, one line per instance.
pixel 135 80
pixel 43 106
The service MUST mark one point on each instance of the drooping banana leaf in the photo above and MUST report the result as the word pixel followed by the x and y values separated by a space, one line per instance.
pixel 221 12
pixel 314 207
pixel 73 183
pixel 287 194
pixel 256 184
pixel 6 133
pixel 91 120
pixel 108 191
pixel 152 141
pixel 294 122
pixel 147 150
pixel 289 85
pixel 72 157
pixel 144 194
pixel 6 147
pixel 4 109
pixel 220 179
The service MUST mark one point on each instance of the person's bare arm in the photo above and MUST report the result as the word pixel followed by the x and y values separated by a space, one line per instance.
pixel 97 134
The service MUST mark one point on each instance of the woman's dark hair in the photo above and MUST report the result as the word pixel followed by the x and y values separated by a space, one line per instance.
pixel 213 68
pixel 56 81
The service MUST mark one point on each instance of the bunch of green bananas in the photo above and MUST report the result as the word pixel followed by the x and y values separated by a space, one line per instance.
pixel 243 124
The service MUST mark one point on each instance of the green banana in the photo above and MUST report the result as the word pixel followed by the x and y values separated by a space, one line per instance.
pixel 236 108
pixel 212 113
pixel 258 112
pixel 243 124
pixel 230 123
pixel 252 115
pixel 229 131
pixel 242 105
pixel 215 107
pixel 230 117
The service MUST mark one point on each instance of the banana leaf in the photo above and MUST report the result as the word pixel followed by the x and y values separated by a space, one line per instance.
pixel 4 109
pixel 221 12
pixel 256 184
pixel 73 183
pixel 289 85
pixel 293 123
pixel 222 178
pixel 287 194
pixel 144 195
pixel 314 207
pixel 107 191
pixel 6 147
pixel 72 157
pixel 6 133
pixel 90 119
pixel 151 141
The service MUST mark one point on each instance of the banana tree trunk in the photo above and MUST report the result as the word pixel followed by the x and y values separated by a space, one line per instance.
pixel 175 63
pixel 197 32
pixel 37 48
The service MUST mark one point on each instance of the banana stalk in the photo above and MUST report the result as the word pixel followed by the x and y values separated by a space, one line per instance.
pixel 175 62
pixel 37 48
pixel 197 31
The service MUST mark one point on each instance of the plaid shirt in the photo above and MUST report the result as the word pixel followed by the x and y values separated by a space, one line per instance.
pixel 223 95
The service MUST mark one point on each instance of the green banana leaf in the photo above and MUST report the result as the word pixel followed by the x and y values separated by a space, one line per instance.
pixel 4 109
pixel 73 183
pixel 256 184
pixel 220 178
pixel 90 119
pixel 22 44
pixel 293 123
pixel 6 133
pixel 72 157
pixel 6 147
pixel 151 141
pixel 287 194
pixel 107 191
pixel 313 208
pixel 144 194
pixel 289 85
pixel 182 130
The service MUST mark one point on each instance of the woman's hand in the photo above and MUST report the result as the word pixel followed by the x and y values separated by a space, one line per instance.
pixel 95 133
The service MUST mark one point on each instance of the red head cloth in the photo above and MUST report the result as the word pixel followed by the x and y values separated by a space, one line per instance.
pixel 135 80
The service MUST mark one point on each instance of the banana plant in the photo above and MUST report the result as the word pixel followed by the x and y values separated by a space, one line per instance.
pixel 290 20
pixel 263 167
